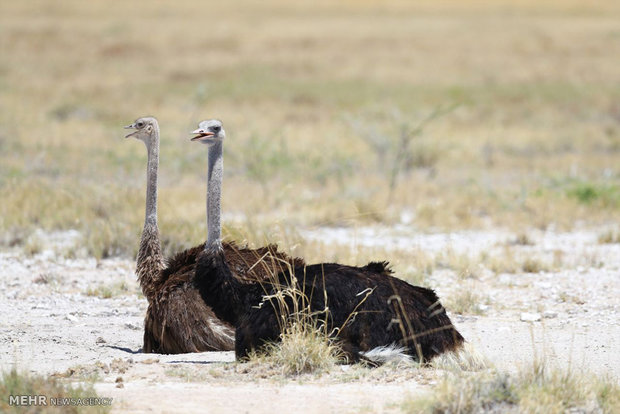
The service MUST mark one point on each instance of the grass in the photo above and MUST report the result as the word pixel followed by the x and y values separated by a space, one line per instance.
pixel 466 302
pixel 609 237
pixel 523 239
pixel 304 348
pixel 601 194
pixel 509 261
pixel 506 262
pixel 465 266
pixel 109 291
pixel 306 344
pixel 527 134
pixel 534 265
pixel 535 389
pixel 16 383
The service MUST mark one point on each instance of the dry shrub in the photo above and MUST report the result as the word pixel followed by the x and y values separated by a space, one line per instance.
pixel 534 265
pixel 609 237
pixel 537 388
pixel 465 302
pixel 306 345
pixel 304 348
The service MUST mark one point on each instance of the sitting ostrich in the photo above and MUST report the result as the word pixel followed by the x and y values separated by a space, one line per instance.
pixel 177 318
pixel 365 307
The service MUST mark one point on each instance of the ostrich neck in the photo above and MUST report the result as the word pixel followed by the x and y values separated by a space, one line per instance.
pixel 150 260
pixel 150 216
pixel 214 197
pixel 226 295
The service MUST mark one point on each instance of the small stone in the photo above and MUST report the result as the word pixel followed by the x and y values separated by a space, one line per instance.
pixel 119 379
pixel 549 315
pixel 530 317
pixel 71 318
pixel 100 340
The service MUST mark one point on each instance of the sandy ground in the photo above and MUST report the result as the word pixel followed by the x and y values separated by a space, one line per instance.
pixel 56 318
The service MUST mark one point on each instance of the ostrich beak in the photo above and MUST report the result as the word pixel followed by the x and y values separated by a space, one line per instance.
pixel 132 126
pixel 201 133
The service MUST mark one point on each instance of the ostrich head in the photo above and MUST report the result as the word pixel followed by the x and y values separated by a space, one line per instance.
pixel 145 129
pixel 209 132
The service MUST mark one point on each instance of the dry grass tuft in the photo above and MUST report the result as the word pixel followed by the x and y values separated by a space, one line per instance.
pixel 609 237
pixel 510 262
pixel 504 263
pixel 535 389
pixel 523 239
pixel 306 345
pixel 304 348
pixel 463 264
pixel 534 265
pixel 33 245
pixel 15 383
pixel 466 302
pixel 109 291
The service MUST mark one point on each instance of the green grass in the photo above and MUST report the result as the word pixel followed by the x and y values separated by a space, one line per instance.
pixel 596 193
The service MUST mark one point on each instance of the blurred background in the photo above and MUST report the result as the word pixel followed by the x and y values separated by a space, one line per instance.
pixel 439 115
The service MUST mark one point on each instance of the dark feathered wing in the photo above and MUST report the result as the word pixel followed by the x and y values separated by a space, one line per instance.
pixel 368 308
pixel 258 265
pixel 179 321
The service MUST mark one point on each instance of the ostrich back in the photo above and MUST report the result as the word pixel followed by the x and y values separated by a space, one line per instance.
pixel 367 306
pixel 247 265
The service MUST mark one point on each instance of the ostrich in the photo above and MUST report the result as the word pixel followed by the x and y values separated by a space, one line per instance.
pixel 177 319
pixel 366 308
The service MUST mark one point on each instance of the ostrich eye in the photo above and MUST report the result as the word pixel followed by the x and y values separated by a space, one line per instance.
pixel 216 129
pixel 140 124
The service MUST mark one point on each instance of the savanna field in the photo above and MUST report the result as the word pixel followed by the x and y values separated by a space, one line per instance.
pixel 473 144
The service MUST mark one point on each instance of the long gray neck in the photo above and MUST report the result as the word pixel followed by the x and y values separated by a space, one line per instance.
pixel 150 217
pixel 150 261
pixel 214 196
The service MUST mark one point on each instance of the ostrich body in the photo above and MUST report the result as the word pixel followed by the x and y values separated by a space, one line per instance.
pixel 365 307
pixel 177 318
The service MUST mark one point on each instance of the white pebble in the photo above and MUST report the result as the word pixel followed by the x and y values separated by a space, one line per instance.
pixel 530 317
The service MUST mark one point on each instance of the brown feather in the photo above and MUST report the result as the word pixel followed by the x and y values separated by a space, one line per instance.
pixel 179 321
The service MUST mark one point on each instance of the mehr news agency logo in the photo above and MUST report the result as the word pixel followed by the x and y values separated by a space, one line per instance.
pixel 44 400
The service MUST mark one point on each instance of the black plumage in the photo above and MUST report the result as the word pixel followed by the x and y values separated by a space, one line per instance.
pixel 367 307
pixel 362 307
